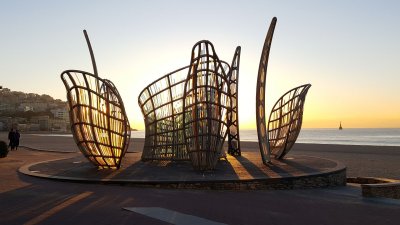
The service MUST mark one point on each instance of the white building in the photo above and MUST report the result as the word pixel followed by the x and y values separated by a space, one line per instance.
pixel 36 106
pixel 24 108
pixel 7 108
pixel 60 113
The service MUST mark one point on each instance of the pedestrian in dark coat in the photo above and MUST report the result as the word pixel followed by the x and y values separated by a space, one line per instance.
pixel 16 140
pixel 11 137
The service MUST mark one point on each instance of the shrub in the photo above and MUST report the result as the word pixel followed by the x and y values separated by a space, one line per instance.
pixel 3 149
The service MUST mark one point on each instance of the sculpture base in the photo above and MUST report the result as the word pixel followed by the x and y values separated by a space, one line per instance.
pixel 235 173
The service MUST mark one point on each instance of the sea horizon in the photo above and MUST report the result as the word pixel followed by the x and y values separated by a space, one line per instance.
pixel 347 136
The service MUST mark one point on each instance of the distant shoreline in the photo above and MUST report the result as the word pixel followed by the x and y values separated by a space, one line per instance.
pixel 385 137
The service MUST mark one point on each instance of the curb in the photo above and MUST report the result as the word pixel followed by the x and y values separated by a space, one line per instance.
pixel 45 150
pixel 334 177
pixel 377 186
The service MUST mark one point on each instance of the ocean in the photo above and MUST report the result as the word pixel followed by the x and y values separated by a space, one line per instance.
pixel 348 136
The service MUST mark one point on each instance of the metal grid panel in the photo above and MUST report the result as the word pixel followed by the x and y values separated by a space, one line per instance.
pixel 161 103
pixel 98 118
pixel 207 103
pixel 168 105
pixel 285 120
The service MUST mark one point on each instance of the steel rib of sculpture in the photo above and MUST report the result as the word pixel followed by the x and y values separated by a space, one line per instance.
pixel 286 116
pixel 260 95
pixel 233 131
pixel 163 107
pixel 98 119
pixel 207 103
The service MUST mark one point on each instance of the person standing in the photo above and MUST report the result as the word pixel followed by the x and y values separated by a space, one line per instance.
pixel 11 137
pixel 16 139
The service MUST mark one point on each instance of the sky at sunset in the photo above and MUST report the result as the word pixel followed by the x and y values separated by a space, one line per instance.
pixel 348 50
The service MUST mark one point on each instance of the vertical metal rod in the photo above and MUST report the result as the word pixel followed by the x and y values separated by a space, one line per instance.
pixel 91 53
pixel 263 139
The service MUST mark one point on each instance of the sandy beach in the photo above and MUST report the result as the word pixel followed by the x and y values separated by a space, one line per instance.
pixel 361 161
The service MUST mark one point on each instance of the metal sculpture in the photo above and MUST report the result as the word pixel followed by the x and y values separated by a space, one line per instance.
pixel 167 109
pixel 98 119
pixel 285 120
pixel 207 103
pixel 233 131
pixel 161 103
pixel 286 116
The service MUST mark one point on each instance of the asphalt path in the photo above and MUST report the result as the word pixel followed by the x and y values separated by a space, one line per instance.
pixel 30 200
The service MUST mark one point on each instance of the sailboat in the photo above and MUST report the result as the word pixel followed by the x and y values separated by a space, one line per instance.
pixel 340 126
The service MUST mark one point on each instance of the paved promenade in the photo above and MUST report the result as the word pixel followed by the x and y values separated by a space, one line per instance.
pixel 231 173
pixel 365 161
pixel 30 200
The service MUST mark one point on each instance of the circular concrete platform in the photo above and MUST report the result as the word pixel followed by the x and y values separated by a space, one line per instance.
pixel 234 173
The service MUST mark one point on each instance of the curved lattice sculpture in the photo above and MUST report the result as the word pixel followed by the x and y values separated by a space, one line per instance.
pixel 161 103
pixel 286 116
pixel 207 103
pixel 285 120
pixel 98 119
pixel 233 131
pixel 164 106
